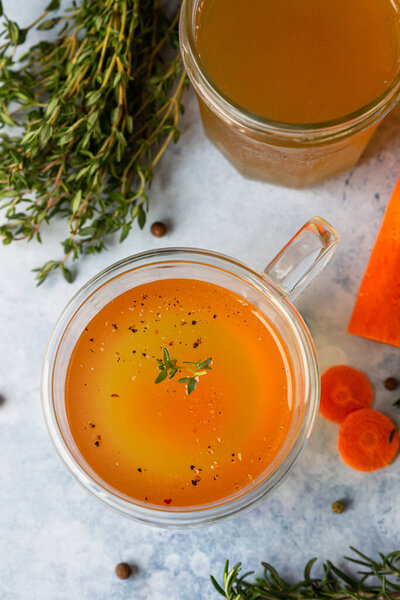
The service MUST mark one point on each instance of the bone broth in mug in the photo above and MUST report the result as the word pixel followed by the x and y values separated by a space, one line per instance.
pixel 180 386
pixel 289 90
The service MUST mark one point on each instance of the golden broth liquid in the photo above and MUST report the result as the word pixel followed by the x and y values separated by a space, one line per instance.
pixel 154 442
pixel 300 61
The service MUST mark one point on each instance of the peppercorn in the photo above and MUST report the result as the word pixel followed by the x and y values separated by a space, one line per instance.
pixel 391 383
pixel 123 570
pixel 337 507
pixel 158 229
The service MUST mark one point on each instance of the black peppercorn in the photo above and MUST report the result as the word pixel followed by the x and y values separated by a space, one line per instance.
pixel 391 383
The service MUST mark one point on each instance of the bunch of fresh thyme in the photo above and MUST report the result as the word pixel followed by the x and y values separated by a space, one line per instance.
pixel 95 109
pixel 334 584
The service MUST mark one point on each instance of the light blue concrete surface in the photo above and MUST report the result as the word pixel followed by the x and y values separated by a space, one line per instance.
pixel 57 542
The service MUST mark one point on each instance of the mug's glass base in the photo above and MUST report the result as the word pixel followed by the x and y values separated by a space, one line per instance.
pixel 285 165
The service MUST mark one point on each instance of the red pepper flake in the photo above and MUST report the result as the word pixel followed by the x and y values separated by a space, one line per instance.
pixel 171 344
pixel 114 395
pixel 197 342
pixel 183 323
pixel 168 500
pixel 156 331
pixel 92 424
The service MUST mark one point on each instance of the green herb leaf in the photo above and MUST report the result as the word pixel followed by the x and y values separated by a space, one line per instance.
pixel 161 376
pixel 13 32
pixel 53 5
pixel 141 218
pixel 45 134
pixel 191 386
pixel 49 24
pixel 124 233
pixel 205 364
pixel 166 357
pixel 76 201
pixel 67 274
pixel 393 433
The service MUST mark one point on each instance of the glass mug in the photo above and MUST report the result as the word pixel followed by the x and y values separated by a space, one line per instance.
pixel 286 154
pixel 271 292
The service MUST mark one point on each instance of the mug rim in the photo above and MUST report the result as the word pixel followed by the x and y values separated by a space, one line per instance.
pixel 222 508
pixel 323 131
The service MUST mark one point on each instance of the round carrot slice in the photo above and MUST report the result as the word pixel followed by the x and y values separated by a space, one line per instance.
pixel 364 440
pixel 344 390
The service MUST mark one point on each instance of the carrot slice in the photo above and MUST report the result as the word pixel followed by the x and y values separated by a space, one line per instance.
pixel 364 440
pixel 376 313
pixel 344 390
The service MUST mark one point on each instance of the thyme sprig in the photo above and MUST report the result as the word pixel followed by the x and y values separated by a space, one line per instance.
pixel 334 584
pixel 169 367
pixel 94 112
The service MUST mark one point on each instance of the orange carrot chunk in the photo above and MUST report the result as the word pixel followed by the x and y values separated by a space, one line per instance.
pixel 364 440
pixel 344 390
pixel 376 313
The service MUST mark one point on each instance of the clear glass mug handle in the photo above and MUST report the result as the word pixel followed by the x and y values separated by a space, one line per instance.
pixel 303 257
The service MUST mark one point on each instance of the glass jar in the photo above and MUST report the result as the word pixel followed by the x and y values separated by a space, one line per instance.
pixel 286 154
pixel 284 278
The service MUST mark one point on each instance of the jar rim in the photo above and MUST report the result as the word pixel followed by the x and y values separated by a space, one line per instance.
pixel 216 510
pixel 209 91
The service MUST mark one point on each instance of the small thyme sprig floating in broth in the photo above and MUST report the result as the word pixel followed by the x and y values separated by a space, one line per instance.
pixel 335 584
pixel 95 110
pixel 169 367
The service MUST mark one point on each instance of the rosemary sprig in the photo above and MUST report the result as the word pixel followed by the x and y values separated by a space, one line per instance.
pixel 334 584
pixel 169 366
pixel 94 110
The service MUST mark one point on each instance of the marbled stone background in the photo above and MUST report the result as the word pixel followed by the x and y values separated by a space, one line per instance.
pixel 57 542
